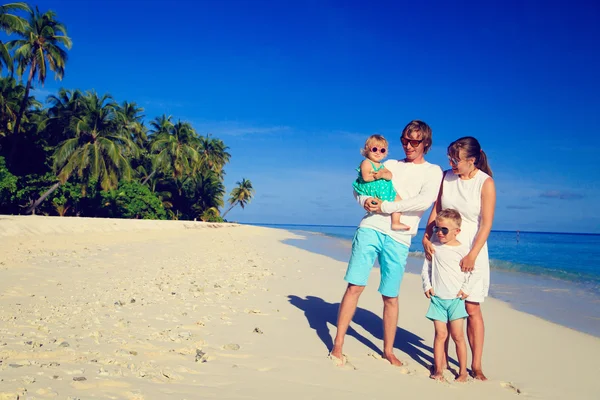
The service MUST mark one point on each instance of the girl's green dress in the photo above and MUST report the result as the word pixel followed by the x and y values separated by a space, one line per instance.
pixel 381 188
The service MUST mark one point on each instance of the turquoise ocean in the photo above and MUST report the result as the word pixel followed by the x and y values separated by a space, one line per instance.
pixel 555 276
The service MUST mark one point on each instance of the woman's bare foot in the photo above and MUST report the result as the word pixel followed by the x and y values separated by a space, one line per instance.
pixel 478 374
pixel 437 376
pixel 392 359
pixel 400 227
pixel 462 377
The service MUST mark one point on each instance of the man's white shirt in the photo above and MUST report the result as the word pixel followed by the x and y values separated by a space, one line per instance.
pixel 418 186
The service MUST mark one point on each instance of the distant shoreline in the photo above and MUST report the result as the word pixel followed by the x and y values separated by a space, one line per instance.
pixel 422 229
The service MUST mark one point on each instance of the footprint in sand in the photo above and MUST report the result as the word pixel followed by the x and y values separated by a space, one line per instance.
pixel 402 369
pixel 342 363
pixel 510 386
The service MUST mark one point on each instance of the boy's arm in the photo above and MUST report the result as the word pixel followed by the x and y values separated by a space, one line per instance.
pixel 426 275
pixel 420 202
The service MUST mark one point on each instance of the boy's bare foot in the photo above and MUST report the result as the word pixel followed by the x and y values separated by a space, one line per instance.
pixel 400 227
pixel 437 376
pixel 462 377
pixel 392 359
pixel 478 374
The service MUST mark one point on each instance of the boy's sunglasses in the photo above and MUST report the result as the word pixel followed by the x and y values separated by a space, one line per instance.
pixel 413 142
pixel 444 230
pixel 375 150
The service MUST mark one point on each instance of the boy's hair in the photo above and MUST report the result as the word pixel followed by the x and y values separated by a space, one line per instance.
pixel 450 214
pixel 373 139
pixel 422 128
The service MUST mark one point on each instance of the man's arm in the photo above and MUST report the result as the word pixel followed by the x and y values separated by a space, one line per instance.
pixel 420 202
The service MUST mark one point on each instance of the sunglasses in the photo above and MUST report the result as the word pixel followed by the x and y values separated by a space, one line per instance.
pixel 444 230
pixel 413 142
pixel 375 150
pixel 454 161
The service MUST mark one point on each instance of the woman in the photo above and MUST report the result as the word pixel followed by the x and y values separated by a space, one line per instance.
pixel 469 188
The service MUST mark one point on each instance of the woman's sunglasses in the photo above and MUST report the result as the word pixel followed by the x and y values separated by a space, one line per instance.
pixel 375 150
pixel 444 230
pixel 413 142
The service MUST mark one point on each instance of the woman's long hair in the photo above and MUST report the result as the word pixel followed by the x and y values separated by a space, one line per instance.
pixel 471 149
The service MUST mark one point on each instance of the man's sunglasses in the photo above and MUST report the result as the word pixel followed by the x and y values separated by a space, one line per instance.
pixel 444 230
pixel 413 142
pixel 375 150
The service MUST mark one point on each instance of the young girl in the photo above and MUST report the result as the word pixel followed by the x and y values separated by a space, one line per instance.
pixel 367 185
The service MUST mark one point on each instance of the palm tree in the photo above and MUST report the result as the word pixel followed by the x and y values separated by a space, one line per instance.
pixel 208 191
pixel 39 48
pixel 11 94
pixel 242 194
pixel 174 149
pixel 10 23
pixel 98 151
pixel 213 154
pixel 131 119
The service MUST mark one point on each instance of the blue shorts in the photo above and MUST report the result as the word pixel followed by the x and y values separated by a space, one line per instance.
pixel 446 309
pixel 368 245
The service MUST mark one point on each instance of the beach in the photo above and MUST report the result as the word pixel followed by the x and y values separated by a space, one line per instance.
pixel 133 309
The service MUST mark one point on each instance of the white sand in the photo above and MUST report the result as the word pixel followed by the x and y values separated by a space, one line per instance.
pixel 118 309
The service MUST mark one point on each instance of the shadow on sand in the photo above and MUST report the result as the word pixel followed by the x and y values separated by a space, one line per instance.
pixel 319 313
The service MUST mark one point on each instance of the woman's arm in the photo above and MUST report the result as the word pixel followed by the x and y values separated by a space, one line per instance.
pixel 437 206
pixel 488 205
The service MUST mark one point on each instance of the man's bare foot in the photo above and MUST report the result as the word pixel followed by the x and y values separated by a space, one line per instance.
pixel 437 376
pixel 400 227
pixel 462 377
pixel 337 352
pixel 478 374
pixel 392 359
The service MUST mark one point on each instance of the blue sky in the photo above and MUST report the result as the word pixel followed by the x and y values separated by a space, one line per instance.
pixel 295 87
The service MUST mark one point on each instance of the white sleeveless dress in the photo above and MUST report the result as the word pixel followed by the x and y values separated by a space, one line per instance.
pixel 465 197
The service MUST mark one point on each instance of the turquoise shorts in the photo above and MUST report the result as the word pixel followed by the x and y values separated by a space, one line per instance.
pixel 446 309
pixel 368 245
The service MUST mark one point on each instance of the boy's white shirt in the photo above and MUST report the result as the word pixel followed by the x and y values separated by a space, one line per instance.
pixel 443 272
pixel 418 184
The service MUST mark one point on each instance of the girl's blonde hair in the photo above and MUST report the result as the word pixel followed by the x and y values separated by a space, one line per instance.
pixel 373 139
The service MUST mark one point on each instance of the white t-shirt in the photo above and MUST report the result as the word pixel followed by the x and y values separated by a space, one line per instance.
pixel 418 186
pixel 443 273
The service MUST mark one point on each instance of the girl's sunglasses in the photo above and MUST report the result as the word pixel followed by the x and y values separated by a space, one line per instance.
pixel 413 142
pixel 444 230
pixel 375 150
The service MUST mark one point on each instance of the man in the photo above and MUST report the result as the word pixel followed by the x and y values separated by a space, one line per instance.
pixel 417 182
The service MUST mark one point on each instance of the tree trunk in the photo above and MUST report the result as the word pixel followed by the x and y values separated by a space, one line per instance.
pixel 233 205
pixel 148 177
pixel 13 150
pixel 43 197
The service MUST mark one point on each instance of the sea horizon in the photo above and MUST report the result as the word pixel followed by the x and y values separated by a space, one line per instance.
pixel 422 229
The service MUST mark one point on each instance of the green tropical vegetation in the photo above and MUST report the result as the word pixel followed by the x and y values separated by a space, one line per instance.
pixel 80 153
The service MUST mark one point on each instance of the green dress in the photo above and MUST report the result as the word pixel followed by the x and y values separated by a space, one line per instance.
pixel 381 188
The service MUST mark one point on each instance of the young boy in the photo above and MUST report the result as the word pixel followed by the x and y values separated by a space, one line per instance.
pixel 447 287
